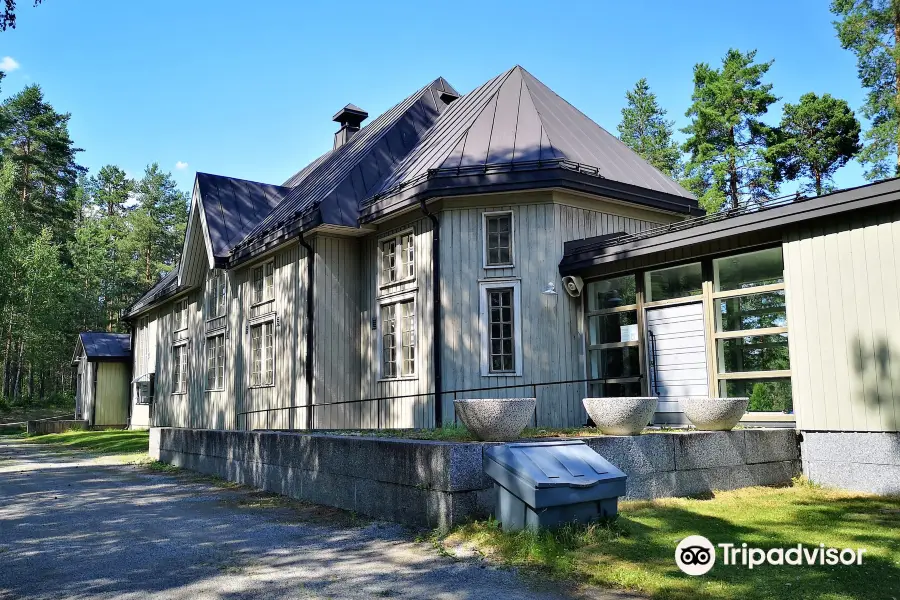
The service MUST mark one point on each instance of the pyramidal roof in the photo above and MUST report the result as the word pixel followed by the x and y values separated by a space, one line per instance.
pixel 515 120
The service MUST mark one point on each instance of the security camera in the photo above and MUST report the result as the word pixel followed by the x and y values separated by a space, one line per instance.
pixel 573 284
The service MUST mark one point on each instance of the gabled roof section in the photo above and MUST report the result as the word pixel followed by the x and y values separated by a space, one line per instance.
pixel 336 183
pixel 516 123
pixel 102 346
pixel 233 207
pixel 165 287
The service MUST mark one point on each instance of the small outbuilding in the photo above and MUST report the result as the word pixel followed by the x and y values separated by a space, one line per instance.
pixel 103 381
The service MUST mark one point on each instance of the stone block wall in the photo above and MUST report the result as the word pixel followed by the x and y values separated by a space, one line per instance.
pixel 864 462
pixel 438 484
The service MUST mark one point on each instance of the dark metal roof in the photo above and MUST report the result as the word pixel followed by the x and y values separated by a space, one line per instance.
pixel 515 122
pixel 580 256
pixel 166 286
pixel 101 346
pixel 234 207
pixel 340 181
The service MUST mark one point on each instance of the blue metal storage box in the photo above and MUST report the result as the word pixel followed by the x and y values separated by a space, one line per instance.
pixel 548 484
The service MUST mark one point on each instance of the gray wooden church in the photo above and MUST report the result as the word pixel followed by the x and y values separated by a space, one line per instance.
pixel 501 243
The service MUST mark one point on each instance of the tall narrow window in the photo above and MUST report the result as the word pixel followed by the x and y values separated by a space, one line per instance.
pixel 398 339
pixel 262 354
pixel 215 362
pixel 216 294
pixel 398 258
pixel 613 341
pixel 264 282
pixel 498 239
pixel 752 330
pixel 179 369
pixel 501 326
pixel 179 315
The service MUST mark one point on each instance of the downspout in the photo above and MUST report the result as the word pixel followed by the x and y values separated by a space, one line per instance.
pixel 436 306
pixel 131 385
pixel 310 326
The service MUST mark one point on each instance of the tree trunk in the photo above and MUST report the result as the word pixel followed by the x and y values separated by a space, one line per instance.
pixel 147 255
pixel 17 381
pixel 818 177
pixel 732 174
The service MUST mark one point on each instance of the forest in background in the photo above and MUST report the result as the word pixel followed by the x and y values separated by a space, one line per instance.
pixel 76 248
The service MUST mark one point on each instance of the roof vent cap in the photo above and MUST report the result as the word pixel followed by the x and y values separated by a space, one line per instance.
pixel 350 117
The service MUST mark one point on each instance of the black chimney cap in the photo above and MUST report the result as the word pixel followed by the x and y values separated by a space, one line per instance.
pixel 350 115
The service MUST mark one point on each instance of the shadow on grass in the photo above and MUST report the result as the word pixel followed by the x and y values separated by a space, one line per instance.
pixel 637 551
pixel 96 442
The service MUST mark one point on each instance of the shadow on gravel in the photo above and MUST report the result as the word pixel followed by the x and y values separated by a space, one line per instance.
pixel 104 531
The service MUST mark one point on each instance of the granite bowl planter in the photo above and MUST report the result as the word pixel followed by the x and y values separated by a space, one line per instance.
pixel 714 414
pixel 620 416
pixel 495 419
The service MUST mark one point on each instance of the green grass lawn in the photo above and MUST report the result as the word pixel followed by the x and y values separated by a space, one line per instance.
pixel 96 442
pixel 636 552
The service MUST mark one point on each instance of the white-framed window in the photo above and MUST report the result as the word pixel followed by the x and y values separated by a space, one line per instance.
pixel 216 293
pixel 215 362
pixel 501 328
pixel 264 282
pixel 498 233
pixel 398 338
pixel 398 258
pixel 262 354
pixel 179 368
pixel 179 314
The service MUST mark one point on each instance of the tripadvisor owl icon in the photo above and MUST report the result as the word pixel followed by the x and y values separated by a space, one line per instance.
pixel 695 555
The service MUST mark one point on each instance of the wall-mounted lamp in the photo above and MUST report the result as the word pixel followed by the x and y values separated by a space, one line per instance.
pixel 550 294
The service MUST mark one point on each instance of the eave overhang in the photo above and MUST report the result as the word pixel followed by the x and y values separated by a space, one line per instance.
pixel 504 178
pixel 763 226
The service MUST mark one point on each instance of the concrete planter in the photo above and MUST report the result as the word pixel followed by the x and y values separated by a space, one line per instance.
pixel 620 416
pixel 714 414
pixel 495 419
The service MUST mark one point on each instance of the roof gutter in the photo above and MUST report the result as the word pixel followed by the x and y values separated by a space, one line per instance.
pixel 436 307
pixel 310 326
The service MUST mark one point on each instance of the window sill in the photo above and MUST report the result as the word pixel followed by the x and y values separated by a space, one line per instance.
pixel 179 393
pixel 394 379
pixel 398 282
pixel 509 266
pixel 180 330
pixel 503 374
pixel 261 386
pixel 215 390
pixel 261 302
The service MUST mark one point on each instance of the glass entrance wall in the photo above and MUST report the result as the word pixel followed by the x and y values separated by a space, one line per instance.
pixel 613 340
pixel 744 305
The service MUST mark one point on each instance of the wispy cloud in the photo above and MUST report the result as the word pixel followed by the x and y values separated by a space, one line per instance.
pixel 8 64
pixel 181 165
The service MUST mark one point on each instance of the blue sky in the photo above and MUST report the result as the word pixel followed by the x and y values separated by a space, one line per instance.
pixel 247 89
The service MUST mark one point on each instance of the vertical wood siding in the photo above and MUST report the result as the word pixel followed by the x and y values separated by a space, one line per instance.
pixel 842 304
pixel 412 411
pixel 112 394
pixel 552 336
pixel 338 354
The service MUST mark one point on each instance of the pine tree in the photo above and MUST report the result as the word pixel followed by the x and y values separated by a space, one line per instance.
pixel 871 30
pixel 645 130
pixel 816 137
pixel 156 225
pixel 110 190
pixel 37 144
pixel 726 139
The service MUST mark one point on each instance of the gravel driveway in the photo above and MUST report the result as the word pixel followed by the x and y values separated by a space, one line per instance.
pixel 74 527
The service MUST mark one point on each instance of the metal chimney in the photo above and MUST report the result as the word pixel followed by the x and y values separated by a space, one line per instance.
pixel 350 117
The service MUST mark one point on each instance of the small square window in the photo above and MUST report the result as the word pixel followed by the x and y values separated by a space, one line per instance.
pixel 498 239
pixel 264 283
pixel 398 258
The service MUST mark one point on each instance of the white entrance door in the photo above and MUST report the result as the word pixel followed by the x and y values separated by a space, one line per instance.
pixel 676 357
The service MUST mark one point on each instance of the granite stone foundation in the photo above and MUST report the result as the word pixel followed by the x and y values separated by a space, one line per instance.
pixel 864 462
pixel 439 484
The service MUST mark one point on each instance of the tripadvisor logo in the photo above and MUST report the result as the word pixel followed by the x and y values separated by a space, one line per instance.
pixel 696 555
